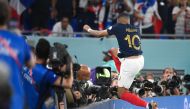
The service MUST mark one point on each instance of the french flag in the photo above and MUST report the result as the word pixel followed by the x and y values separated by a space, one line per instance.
pixel 145 4
pixel 18 6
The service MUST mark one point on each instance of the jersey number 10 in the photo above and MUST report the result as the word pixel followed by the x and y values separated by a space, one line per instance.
pixel 131 41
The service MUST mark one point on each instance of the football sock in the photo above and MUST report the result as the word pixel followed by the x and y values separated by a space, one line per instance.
pixel 133 99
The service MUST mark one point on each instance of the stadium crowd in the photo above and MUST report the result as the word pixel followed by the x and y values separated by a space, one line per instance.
pixel 153 16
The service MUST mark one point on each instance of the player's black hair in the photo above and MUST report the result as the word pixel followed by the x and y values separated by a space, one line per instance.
pixel 124 15
pixel 4 12
pixel 42 49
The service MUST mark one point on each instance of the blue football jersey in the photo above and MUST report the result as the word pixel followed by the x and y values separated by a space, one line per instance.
pixel 128 38
pixel 15 53
pixel 30 89
pixel 35 81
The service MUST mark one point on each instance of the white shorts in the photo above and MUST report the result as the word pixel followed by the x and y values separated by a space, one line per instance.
pixel 129 69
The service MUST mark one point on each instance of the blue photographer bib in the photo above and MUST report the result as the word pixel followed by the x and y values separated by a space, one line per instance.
pixel 35 81
pixel 15 53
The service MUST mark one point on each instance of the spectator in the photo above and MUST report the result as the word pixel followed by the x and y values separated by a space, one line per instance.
pixel 81 14
pixel 63 26
pixel 64 8
pixel 170 22
pixel 39 14
pixel 163 12
pixel 101 14
pixel 179 15
pixel 145 10
pixel 52 20
pixel 115 8
pixel 130 6
pixel 93 10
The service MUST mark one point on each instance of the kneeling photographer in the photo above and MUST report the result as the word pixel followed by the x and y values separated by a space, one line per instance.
pixel 39 82
pixel 99 90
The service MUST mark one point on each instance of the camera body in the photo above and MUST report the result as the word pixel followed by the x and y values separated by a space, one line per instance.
pixel 171 84
pixel 150 89
pixel 186 81
pixel 146 88
pixel 100 90
pixel 58 58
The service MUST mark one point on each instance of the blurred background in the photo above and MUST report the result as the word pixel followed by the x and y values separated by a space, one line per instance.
pixel 43 17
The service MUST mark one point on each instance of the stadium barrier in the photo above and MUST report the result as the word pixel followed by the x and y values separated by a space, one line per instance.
pixel 172 102
pixel 158 53
pixel 85 34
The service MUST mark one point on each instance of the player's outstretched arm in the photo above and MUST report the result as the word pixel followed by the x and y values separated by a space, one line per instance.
pixel 99 33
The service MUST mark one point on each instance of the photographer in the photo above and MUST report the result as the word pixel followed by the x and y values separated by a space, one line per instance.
pixel 103 86
pixel 186 81
pixel 150 87
pixel 170 82
pixel 38 81
pixel 81 82
pixel 15 53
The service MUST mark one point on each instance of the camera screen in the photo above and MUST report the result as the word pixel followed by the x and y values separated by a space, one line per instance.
pixel 103 76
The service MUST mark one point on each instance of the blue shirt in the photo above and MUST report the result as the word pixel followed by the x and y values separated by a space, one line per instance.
pixel 15 53
pixel 128 38
pixel 34 81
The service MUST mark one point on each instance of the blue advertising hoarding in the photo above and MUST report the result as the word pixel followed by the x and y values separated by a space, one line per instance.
pixel 172 102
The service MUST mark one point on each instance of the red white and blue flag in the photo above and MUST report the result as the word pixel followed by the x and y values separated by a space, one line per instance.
pixel 18 6
pixel 145 4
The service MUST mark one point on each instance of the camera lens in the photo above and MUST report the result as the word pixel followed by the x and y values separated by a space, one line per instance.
pixel 158 89
pixel 148 85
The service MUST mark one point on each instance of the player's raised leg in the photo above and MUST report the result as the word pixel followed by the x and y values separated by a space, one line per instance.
pixel 129 68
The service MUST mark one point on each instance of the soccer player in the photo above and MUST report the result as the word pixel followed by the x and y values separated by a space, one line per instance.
pixel 132 60
pixel 15 53
pixel 38 80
